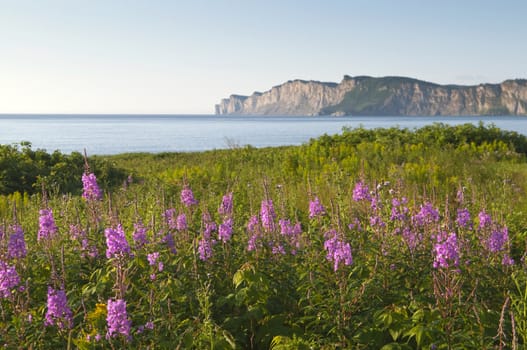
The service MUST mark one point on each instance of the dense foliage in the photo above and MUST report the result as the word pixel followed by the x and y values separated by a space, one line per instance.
pixel 388 238
pixel 25 170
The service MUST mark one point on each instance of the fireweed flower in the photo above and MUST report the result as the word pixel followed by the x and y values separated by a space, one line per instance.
pixel 225 230
pixel 117 318
pixel 484 219
pixel 181 222
pixel 252 229
pixel 205 249
pixel 337 251
pixel 497 240
pixel 47 228
pixel 278 249
pixel 463 218
pixel 399 210
pixel 9 279
pixel 16 248
pixel 79 235
pixel 267 215
pixel 226 205
pixel 291 232
pixel 361 192
pixel 139 234
pixel 446 251
pixel 426 215
pixel 170 218
pixel 187 197
pixel 153 260
pixel 507 260
pixel 171 244
pixel 316 208
pixel 58 312
pixel 90 189
pixel 116 243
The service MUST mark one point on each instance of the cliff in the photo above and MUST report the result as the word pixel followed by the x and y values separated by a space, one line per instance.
pixel 381 96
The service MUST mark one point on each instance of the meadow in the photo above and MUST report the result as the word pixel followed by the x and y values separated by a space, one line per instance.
pixel 370 239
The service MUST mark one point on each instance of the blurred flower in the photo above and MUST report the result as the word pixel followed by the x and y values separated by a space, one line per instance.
pixel 463 218
pixel 139 234
pixel 225 230
pixel 16 247
pixel 91 191
pixel 181 222
pixel 226 205
pixel 9 279
pixel 337 251
pixel 484 219
pixel 47 228
pixel 58 312
pixel 361 192
pixel 117 318
pixel 116 243
pixel 316 208
pixel 267 215
pixel 446 251
pixel 187 197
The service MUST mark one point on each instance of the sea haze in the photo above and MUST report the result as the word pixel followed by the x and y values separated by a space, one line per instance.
pixel 113 134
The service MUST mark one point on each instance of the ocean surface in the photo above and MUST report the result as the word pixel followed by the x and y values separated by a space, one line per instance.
pixel 112 134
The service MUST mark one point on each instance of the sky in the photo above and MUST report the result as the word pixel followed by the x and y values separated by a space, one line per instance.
pixel 182 57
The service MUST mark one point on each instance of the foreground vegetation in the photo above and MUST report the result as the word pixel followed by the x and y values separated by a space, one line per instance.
pixel 388 238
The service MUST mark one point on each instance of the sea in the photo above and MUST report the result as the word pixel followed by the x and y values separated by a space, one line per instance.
pixel 113 134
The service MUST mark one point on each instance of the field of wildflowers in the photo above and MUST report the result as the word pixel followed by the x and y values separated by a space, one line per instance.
pixel 388 238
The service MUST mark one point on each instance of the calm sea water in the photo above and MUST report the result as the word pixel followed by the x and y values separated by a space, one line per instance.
pixel 112 134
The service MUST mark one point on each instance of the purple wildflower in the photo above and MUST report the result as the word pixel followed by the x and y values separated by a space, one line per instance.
pixel 209 225
pixel 278 249
pixel 205 249
pixel 116 243
pixel 361 192
pixel 484 219
pixel 497 240
pixel 316 208
pixel 460 196
pixel 187 197
pixel 337 251
pixel 139 234
pixel 9 279
pixel 181 222
pixel 355 225
pixel 252 224
pixel 149 325
pixel 463 218
pixel 376 220
pixel 153 259
pixel 252 243
pixel 225 230
pixel 226 205
pixel 171 244
pixel 16 247
pixel 117 318
pixel 91 191
pixel 399 209
pixel 267 215
pixel 411 238
pixel 446 251
pixel 170 218
pixel 426 215
pixel 507 260
pixel 58 312
pixel 47 228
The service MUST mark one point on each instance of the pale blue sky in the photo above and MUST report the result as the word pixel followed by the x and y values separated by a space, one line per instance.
pixel 154 56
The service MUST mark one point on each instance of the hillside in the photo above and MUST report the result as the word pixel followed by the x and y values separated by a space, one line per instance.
pixel 394 96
